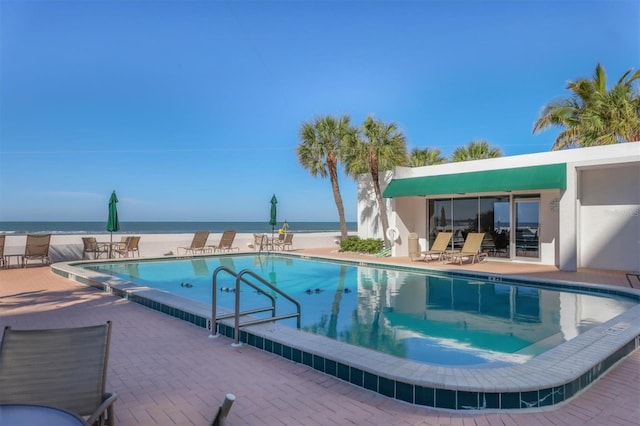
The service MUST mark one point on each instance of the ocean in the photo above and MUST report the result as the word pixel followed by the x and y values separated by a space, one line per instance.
pixel 17 228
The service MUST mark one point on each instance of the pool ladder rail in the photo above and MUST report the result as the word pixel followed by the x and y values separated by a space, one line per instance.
pixel 237 314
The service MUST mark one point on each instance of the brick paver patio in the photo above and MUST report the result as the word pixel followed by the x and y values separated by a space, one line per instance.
pixel 168 372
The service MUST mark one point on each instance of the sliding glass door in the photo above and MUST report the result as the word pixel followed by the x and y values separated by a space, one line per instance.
pixel 491 215
pixel 527 227
pixel 440 219
pixel 495 222
pixel 465 220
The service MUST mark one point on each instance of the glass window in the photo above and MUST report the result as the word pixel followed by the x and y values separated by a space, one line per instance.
pixel 465 219
pixel 527 221
pixel 491 215
pixel 495 223
pixel 439 218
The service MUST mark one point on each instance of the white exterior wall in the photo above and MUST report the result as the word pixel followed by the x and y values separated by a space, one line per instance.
pixel 368 212
pixel 567 259
pixel 369 224
pixel 412 219
pixel 604 234
pixel 610 218
pixel 549 220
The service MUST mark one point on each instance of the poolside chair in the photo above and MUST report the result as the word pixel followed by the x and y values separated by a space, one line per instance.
pixel 439 246
pixel 501 243
pixel 287 241
pixel 226 242
pixel 63 368
pixel 223 410
pixel 130 246
pixel 198 244
pixel 120 249
pixel 91 246
pixel 134 247
pixel 470 249
pixel 3 262
pixel 260 242
pixel 37 247
pixel 117 246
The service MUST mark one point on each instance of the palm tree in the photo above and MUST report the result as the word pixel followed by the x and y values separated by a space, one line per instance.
pixel 476 150
pixel 592 115
pixel 426 157
pixel 377 148
pixel 320 150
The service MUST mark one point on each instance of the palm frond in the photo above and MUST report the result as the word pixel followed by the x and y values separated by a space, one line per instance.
pixel 593 115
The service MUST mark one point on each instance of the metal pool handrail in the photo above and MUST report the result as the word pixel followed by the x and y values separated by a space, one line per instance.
pixel 236 314
pixel 214 296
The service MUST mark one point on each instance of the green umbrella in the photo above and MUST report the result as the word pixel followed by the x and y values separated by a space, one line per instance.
pixel 113 224
pixel 273 221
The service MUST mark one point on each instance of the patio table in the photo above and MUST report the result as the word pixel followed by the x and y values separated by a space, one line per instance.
pixel 29 415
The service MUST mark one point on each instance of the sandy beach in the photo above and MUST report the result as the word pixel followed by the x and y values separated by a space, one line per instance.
pixel 67 247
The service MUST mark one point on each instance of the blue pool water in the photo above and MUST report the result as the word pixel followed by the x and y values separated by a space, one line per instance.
pixel 431 318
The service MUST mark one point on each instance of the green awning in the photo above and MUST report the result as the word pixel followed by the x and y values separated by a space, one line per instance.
pixel 550 176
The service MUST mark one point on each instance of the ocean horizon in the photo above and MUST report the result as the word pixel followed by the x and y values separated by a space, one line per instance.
pixel 35 227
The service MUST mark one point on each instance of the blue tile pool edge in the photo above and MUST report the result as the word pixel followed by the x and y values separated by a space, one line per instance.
pixel 552 378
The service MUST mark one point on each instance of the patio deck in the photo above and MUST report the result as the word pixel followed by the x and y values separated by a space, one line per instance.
pixel 167 372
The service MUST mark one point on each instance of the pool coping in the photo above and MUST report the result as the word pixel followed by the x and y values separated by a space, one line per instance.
pixel 551 378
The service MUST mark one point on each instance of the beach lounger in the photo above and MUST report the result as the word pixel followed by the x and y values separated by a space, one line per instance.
pixel 470 249
pixel 37 247
pixel 226 242
pixel 198 244
pixel 439 246
pixel 64 368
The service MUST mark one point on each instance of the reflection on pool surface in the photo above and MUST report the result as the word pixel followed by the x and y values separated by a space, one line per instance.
pixel 430 318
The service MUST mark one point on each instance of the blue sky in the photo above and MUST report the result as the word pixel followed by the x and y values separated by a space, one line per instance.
pixel 190 110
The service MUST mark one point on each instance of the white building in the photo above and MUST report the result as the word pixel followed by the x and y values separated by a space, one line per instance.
pixel 577 208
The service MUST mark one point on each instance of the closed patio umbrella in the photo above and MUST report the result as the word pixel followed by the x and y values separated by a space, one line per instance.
pixel 273 219
pixel 113 224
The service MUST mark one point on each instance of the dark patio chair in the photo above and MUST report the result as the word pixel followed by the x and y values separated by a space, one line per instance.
pixel 63 368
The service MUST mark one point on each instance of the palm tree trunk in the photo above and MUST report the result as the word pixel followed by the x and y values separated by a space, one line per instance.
pixel 333 173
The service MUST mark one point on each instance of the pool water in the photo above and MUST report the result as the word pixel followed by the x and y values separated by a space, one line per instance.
pixel 421 316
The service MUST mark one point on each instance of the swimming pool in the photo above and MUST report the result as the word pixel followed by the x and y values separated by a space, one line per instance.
pixel 413 315
pixel 398 307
